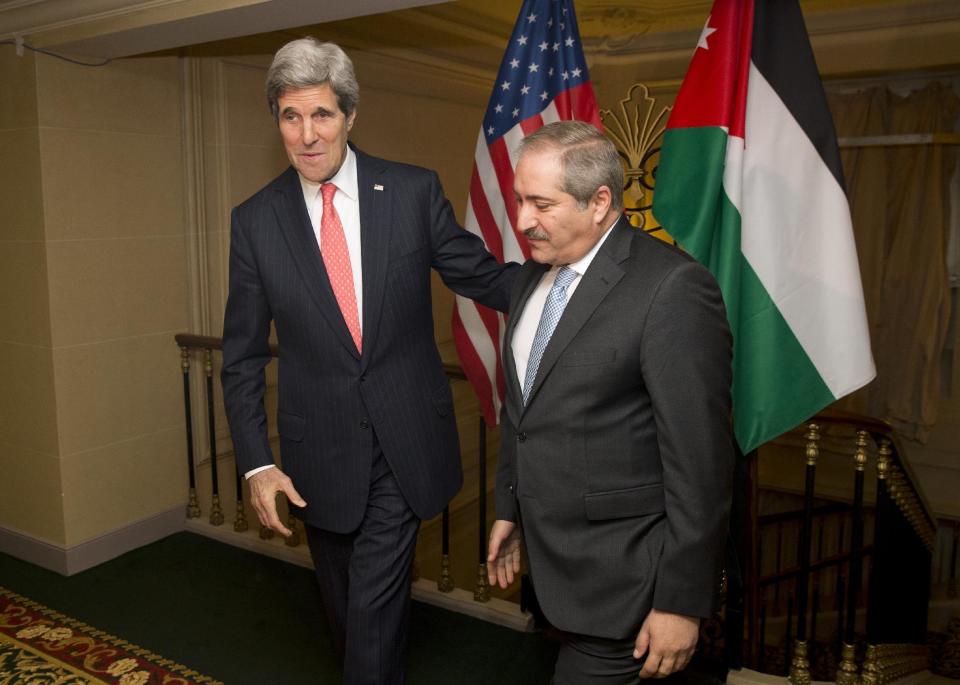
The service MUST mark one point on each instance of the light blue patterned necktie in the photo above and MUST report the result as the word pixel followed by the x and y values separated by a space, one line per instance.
pixel 552 310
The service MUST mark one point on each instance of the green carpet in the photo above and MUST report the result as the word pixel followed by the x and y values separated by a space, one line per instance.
pixel 247 619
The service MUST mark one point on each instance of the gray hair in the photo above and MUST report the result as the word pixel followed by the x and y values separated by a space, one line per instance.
pixel 307 62
pixel 588 160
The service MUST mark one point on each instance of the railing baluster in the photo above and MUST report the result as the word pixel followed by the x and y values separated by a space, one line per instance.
pixel 778 565
pixel 216 515
pixel 482 592
pixel 193 506
pixel 788 635
pixel 847 673
pixel 762 651
pixel 240 519
pixel 294 527
pixel 445 582
pixel 738 565
pixel 884 502
pixel 800 665
pixel 840 589
pixel 815 597
pixel 952 583
pixel 812 637
pixel 755 630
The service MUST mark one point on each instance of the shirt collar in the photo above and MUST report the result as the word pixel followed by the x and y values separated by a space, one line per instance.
pixel 581 265
pixel 345 179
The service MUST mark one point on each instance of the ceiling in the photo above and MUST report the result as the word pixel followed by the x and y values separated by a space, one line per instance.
pixel 913 34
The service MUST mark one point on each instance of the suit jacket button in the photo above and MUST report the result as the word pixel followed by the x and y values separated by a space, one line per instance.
pixel 509 488
pixel 364 424
pixel 521 437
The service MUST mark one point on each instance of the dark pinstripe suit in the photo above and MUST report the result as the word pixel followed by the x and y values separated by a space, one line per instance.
pixel 338 410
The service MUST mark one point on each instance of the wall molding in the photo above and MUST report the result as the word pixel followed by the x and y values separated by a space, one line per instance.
pixel 67 560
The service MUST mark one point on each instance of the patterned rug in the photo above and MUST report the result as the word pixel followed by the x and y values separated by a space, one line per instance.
pixel 39 646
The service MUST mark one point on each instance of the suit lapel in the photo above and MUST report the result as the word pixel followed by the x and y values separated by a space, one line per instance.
pixel 602 275
pixel 527 282
pixel 375 195
pixel 291 212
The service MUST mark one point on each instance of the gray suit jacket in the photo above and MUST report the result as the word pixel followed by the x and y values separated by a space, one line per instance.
pixel 619 468
pixel 332 400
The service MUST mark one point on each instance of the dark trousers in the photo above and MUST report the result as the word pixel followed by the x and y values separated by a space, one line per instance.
pixel 364 579
pixel 585 660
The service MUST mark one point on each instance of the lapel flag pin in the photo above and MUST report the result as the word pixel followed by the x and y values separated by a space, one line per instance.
pixel 377 186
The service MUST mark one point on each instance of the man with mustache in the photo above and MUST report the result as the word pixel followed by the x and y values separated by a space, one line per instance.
pixel 616 454
pixel 336 252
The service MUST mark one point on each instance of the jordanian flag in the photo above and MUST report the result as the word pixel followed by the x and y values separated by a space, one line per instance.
pixel 750 184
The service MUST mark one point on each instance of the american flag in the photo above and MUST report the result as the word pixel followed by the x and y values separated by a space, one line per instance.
pixel 543 78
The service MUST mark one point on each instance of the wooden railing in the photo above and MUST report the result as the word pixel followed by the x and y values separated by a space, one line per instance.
pixel 825 576
pixel 840 572
pixel 196 350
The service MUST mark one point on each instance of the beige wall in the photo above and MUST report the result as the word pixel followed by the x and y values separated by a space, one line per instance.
pixel 113 214
pixel 96 289
pixel 30 490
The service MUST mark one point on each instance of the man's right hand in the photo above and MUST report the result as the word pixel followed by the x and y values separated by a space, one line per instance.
pixel 264 486
pixel 503 553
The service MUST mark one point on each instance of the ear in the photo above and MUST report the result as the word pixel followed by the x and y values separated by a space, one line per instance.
pixel 351 119
pixel 601 203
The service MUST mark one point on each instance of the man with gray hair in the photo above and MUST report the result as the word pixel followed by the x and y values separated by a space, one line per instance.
pixel 616 455
pixel 336 252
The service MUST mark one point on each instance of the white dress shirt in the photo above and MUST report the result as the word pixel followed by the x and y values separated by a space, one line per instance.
pixel 530 317
pixel 347 203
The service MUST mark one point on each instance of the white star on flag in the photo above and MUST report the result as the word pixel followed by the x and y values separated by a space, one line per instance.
pixel 516 111
pixel 505 85
pixel 576 72
pixel 490 130
pixel 568 42
pixel 533 68
pixel 498 109
pixel 522 40
pixel 525 90
pixel 702 43
pixel 543 46
pixel 514 63
pixel 556 46
pixel 543 96
pixel 532 18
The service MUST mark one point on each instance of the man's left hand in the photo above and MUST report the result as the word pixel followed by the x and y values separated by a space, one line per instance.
pixel 668 640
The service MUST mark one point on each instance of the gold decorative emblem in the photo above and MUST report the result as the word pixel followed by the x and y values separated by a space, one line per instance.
pixel 636 131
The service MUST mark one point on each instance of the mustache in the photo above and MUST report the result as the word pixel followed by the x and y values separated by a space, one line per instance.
pixel 535 234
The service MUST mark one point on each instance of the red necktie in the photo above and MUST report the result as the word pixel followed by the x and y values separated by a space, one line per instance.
pixel 336 258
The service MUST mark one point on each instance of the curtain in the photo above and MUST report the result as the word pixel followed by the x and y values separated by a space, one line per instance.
pixel 899 199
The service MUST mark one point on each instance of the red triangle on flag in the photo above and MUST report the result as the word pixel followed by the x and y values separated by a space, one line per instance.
pixel 714 91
